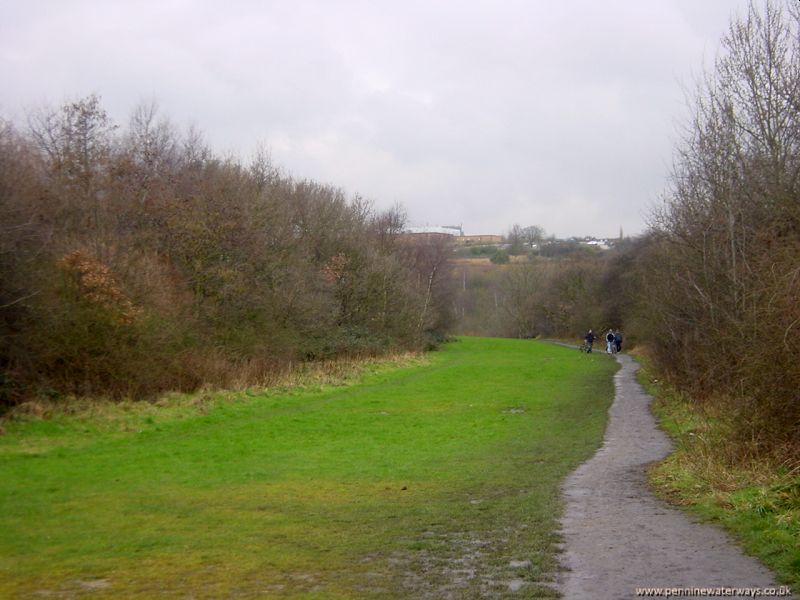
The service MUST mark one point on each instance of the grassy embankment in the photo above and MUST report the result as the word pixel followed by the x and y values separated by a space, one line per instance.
pixel 757 500
pixel 425 479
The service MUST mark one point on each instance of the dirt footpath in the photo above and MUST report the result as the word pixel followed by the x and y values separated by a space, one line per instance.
pixel 619 537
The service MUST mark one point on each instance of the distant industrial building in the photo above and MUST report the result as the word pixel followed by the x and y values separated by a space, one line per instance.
pixel 454 233
pixel 454 230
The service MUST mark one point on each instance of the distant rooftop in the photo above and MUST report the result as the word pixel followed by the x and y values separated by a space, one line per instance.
pixel 448 229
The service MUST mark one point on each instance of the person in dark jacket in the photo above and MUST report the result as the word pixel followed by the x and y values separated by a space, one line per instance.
pixel 589 339
pixel 618 340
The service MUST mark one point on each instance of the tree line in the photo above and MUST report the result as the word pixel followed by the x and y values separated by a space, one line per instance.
pixel 722 281
pixel 135 260
pixel 558 292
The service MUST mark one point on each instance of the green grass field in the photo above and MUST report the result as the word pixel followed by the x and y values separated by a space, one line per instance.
pixel 421 481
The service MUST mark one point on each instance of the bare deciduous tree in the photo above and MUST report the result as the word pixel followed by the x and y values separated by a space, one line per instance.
pixel 730 231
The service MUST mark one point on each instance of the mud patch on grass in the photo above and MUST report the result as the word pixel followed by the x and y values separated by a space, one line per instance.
pixel 466 565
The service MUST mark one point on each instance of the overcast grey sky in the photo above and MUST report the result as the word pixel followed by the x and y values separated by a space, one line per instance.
pixel 483 113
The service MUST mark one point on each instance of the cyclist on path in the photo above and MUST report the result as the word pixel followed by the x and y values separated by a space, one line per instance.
pixel 589 339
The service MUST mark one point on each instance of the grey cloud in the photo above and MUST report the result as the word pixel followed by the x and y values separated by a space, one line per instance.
pixel 481 113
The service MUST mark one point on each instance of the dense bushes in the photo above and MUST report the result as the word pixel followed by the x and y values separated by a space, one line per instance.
pixel 137 261
pixel 542 296
pixel 723 281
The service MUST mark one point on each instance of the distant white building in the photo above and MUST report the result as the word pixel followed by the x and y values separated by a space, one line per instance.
pixel 454 230
pixel 602 244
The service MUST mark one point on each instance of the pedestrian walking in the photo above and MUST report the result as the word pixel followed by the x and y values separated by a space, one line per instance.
pixel 618 340
pixel 610 346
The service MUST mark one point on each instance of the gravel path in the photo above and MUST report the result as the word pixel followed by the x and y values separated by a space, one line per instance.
pixel 618 536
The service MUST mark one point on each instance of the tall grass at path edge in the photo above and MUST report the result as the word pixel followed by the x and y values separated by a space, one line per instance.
pixel 754 497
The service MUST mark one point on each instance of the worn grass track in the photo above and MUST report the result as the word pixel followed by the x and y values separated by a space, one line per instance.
pixel 432 480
